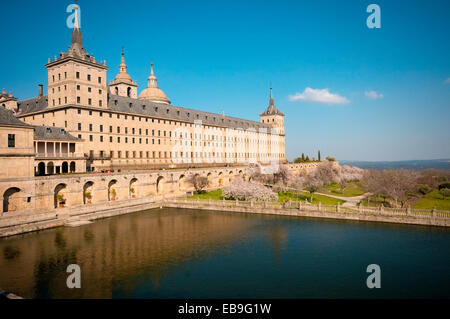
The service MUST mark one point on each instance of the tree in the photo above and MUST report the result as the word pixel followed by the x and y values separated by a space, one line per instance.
pixel 242 190
pixel 396 184
pixel 307 159
pixel 303 157
pixel 199 182
pixel 445 192
pixel 312 184
pixel 318 156
pixel 283 175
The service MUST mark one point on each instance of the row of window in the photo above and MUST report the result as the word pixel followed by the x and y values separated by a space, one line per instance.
pixel 88 77
pixel 167 155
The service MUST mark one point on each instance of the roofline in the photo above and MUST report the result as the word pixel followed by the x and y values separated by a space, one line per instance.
pixel 69 58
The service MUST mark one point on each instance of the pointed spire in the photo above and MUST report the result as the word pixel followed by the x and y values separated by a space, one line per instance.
pixel 271 96
pixel 123 66
pixel 77 38
pixel 76 24
pixel 152 81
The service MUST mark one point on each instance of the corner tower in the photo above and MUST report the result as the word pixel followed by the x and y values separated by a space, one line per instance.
pixel 273 116
pixel 75 77
pixel 123 85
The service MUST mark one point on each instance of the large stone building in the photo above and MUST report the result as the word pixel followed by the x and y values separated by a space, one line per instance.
pixel 112 127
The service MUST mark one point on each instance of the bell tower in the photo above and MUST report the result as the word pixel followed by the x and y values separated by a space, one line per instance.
pixel 123 85
pixel 272 116
pixel 75 77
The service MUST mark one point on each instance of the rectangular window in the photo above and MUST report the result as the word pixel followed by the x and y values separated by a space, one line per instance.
pixel 100 103
pixel 78 99
pixel 91 138
pixel 11 140
pixel 79 126
pixel 78 75
pixel 101 138
pixel 110 139
pixel 101 128
pixel 88 77
pixel 90 101
pixel 110 129
pixel 99 80
pixel 90 127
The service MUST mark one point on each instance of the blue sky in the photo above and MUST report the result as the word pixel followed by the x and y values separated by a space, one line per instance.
pixel 214 55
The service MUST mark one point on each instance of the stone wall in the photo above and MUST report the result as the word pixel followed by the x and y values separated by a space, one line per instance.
pixel 50 192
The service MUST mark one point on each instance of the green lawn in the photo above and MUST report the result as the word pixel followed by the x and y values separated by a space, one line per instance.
pixel 373 202
pixel 325 200
pixel 352 189
pixel 433 199
pixel 216 195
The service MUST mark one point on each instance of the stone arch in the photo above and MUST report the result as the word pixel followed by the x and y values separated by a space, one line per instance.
pixel 41 169
pixel 65 167
pixel 59 195
pixel 88 192
pixel 50 168
pixel 133 187
pixel 116 90
pixel 112 192
pixel 129 92
pixel 10 198
pixel 72 167
pixel 160 185
pixel 182 183
pixel 220 179
pixel 209 176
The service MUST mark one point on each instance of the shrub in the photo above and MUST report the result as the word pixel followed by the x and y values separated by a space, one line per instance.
pixel 444 185
pixel 424 189
pixel 445 192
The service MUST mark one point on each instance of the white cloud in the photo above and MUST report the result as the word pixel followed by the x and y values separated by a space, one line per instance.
pixel 374 95
pixel 447 81
pixel 318 96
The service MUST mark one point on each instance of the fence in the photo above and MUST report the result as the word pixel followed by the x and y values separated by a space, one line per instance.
pixel 305 206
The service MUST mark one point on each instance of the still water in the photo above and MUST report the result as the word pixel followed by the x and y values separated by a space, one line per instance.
pixel 177 253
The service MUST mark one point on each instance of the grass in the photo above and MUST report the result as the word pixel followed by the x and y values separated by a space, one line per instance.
pixel 282 197
pixel 215 195
pixel 433 199
pixel 352 189
pixel 325 200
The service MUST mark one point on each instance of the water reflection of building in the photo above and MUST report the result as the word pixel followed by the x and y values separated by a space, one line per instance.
pixel 113 251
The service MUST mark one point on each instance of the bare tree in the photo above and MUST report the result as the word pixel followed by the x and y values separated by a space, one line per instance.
pixel 199 182
pixel 396 184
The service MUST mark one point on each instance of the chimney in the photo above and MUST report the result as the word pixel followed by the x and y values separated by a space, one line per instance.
pixel 41 90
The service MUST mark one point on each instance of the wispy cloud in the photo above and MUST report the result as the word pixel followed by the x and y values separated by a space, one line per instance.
pixel 318 96
pixel 374 95
pixel 447 81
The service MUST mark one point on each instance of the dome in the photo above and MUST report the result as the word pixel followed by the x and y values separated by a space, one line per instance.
pixel 154 95
pixel 153 92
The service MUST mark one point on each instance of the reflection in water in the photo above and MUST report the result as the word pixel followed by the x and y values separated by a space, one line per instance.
pixel 187 253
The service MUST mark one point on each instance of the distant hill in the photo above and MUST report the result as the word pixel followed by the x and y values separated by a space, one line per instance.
pixel 414 165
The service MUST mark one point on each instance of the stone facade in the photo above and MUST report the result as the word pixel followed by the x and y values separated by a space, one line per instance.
pixel 120 131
